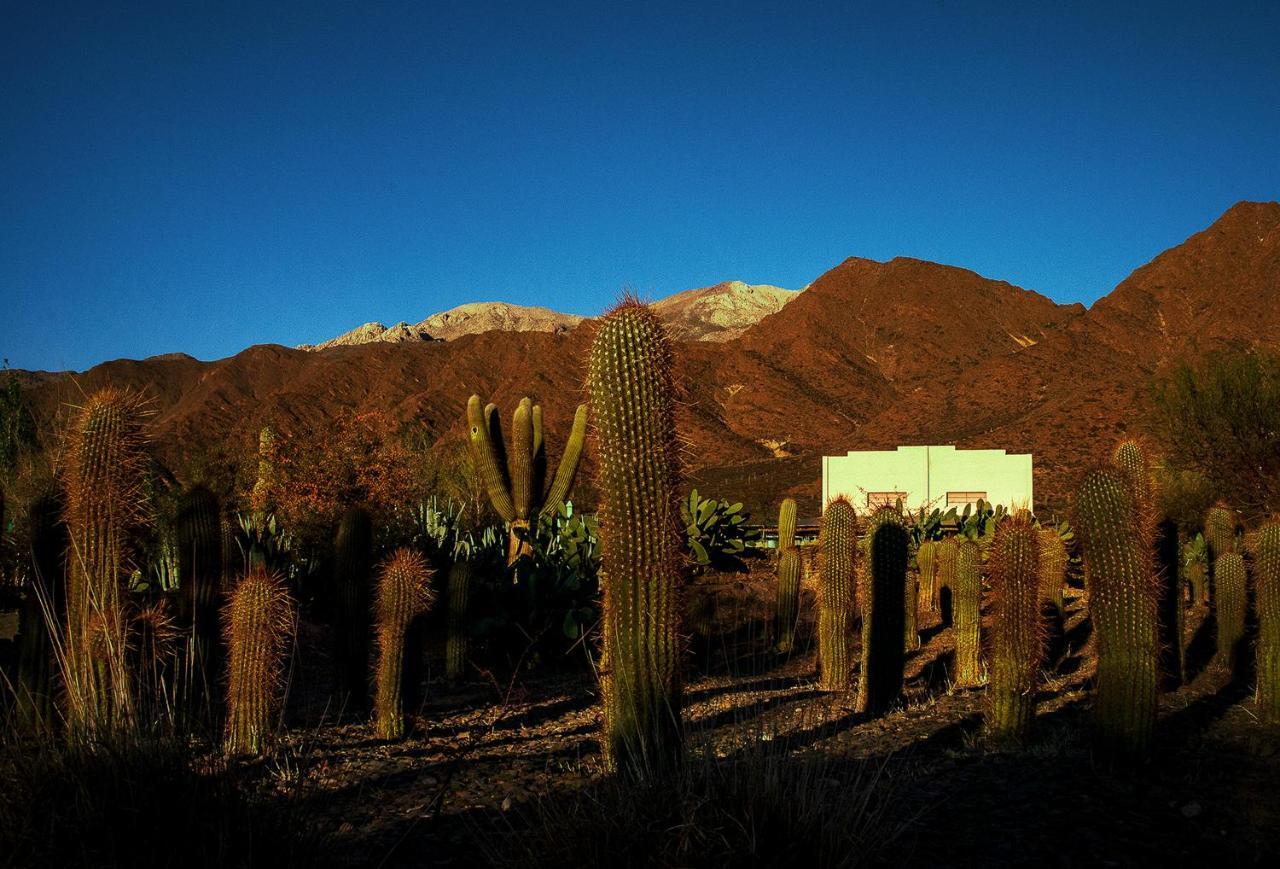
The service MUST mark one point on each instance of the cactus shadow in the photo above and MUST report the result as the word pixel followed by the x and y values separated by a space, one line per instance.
pixel 742 714
pixel 1202 647
pixel 770 683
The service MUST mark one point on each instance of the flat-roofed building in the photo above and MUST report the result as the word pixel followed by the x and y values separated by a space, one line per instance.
pixel 929 476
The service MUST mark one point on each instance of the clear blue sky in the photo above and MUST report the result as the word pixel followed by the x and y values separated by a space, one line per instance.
pixel 201 177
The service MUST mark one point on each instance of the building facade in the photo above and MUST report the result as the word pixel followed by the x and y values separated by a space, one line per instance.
pixel 929 476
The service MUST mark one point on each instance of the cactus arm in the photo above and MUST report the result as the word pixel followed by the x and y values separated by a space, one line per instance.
pixel 787 524
pixel 521 459
pixel 539 460
pixel 569 461
pixel 481 427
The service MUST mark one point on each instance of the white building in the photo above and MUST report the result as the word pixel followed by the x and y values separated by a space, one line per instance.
pixel 932 476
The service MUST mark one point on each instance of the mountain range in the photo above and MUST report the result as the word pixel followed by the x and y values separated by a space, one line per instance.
pixel 870 355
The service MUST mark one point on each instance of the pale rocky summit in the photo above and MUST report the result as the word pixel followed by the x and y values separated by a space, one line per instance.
pixel 370 333
pixel 476 317
pixel 721 312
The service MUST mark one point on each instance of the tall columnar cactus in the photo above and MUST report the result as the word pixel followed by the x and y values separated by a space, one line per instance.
pixel 966 603
pixel 200 589
pixel 1220 531
pixel 1053 568
pixel 352 581
pixel 1231 582
pixel 404 593
pixel 883 611
pixel 1168 563
pixel 1131 459
pixel 790 571
pixel 837 607
pixel 1266 571
pixel 631 391
pixel 43 609
pixel 910 609
pixel 787 524
pixel 104 502
pixel 1018 636
pixel 945 575
pixel 1123 593
pixel 515 480
pixel 927 562
pixel 258 622
pixel 261 498
pixel 459 587
pixel 1197 579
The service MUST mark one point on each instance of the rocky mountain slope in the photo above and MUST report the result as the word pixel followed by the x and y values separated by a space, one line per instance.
pixel 871 355
pixel 721 312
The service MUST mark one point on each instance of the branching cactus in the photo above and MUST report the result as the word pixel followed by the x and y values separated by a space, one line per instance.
pixel 787 524
pixel 352 581
pixel 1266 567
pixel 790 570
pixel 104 503
pixel 836 590
pixel 1053 568
pixel 631 391
pixel 1018 635
pixel 927 562
pixel 1231 582
pixel 966 603
pixel 515 480
pixel 945 574
pixel 200 589
pixel 459 588
pixel 1123 593
pixel 404 593
pixel 883 608
pixel 259 622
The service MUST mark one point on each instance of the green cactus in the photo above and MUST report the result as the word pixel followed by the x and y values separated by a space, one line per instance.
pixel 632 396
pixel 837 606
pixel 459 586
pixel 515 482
pixel 790 571
pixel 104 504
pixel 258 622
pixel 1220 531
pixel 945 571
pixel 1123 593
pixel 787 524
pixel 883 611
pixel 910 609
pixel 1131 459
pixel 404 593
pixel 1053 568
pixel 43 608
pixel 927 562
pixel 1231 585
pixel 352 589
pixel 200 589
pixel 1266 568
pixel 1017 630
pixel 1167 565
pixel 966 603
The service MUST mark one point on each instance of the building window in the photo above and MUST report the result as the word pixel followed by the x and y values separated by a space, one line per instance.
pixel 959 499
pixel 885 499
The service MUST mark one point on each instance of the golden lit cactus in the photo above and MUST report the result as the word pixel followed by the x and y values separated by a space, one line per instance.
pixel 1132 460
pixel 200 589
pixel 787 524
pixel 837 606
pixel 459 588
pixel 1117 538
pixel 966 607
pixel 1220 531
pixel 352 590
pixel 258 622
pixel 1231 586
pixel 790 571
pixel 104 503
pixel 1053 568
pixel 883 611
pixel 910 608
pixel 1017 630
pixel 404 593
pixel 1266 573
pixel 632 395
pixel 1197 579
pixel 515 481
pixel 945 570
pixel 927 562
pixel 261 498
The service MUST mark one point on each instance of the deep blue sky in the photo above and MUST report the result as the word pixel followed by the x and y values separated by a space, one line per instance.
pixel 200 179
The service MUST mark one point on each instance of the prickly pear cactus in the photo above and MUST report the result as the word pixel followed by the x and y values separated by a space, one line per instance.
pixel 787 524
pixel 1117 539
pixel 966 602
pixel 883 611
pixel 836 590
pixel 1266 566
pixel 1017 633
pixel 1231 583
pixel 259 623
pixel 632 396
pixel 404 593
pixel 790 571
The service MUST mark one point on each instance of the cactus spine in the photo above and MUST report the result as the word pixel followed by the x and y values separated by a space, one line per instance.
pixel 787 524
pixel 927 561
pixel 790 570
pixel 1053 568
pixel 456 642
pixel 837 606
pixel 945 575
pixel 1219 531
pixel 1230 580
pixel 352 581
pixel 259 622
pixel 200 587
pixel 1266 566
pixel 515 483
pixel 1018 634
pixel 404 593
pixel 966 603
pixel 103 484
pixel 1123 601
pixel 631 388
pixel 883 611
pixel 910 606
